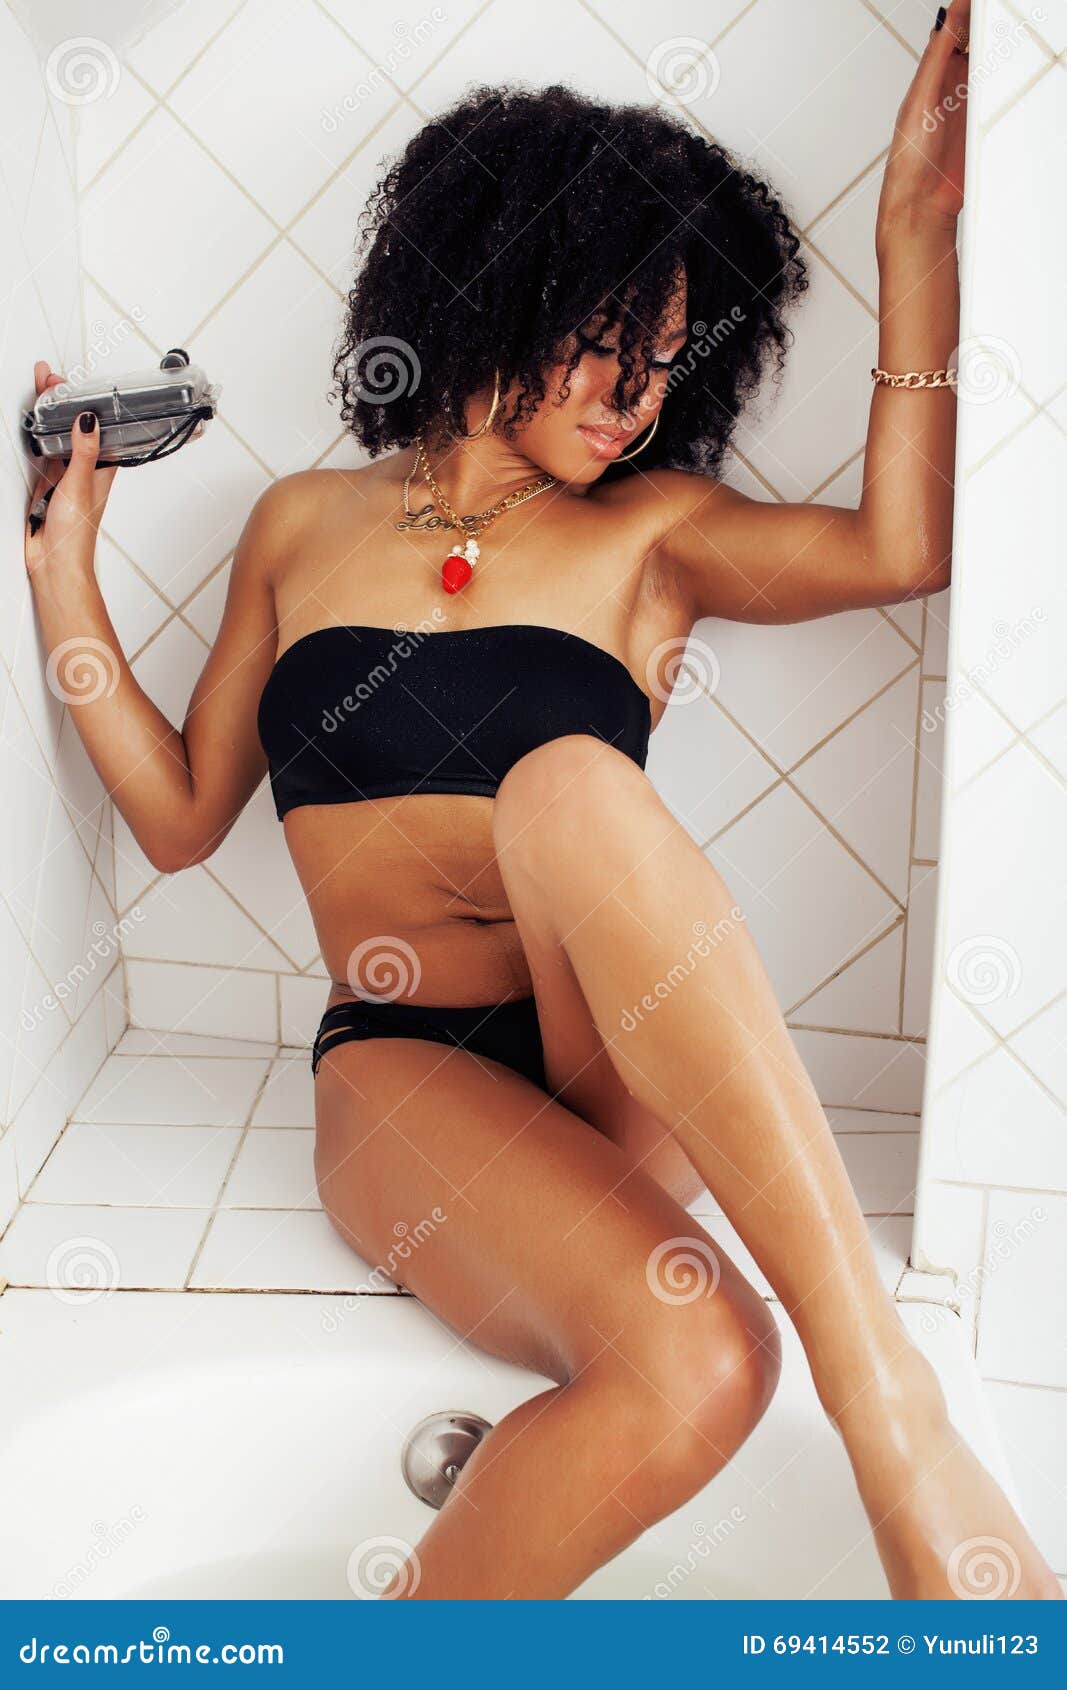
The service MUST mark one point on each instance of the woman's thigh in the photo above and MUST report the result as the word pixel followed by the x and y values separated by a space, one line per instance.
pixel 527 1230
pixel 580 1073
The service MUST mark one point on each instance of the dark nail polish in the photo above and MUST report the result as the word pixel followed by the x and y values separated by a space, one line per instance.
pixel 942 14
pixel 87 421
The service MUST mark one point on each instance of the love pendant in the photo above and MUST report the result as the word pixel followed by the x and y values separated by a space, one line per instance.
pixel 458 566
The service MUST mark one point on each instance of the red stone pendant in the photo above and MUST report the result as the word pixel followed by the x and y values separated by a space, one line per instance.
pixel 458 566
pixel 455 573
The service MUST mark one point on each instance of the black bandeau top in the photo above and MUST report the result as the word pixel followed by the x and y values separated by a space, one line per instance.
pixel 351 712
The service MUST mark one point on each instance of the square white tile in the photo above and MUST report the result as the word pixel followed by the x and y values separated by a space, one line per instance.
pixel 195 999
pixel 263 1250
pixel 1005 918
pixel 275 1169
pixel 288 1098
pixel 263 95
pixel 95 1250
pixel 871 1121
pixel 883 1168
pixel 174 1091
pixel 853 1072
pixel 9 1185
pixel 142 1041
pixel 137 1166
pixel 1010 621
pixel 303 999
pixel 1033 1429
pixel 141 254
pixel 995 1125
pixel 1025 1269
pixel 919 962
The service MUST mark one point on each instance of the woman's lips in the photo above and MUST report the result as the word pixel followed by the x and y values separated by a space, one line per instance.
pixel 600 444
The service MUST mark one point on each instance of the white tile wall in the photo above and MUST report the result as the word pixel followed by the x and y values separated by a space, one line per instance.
pixel 57 915
pixel 792 787
pixel 808 782
pixel 990 1201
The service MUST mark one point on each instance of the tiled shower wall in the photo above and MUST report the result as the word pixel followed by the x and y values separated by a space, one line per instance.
pixel 993 1188
pixel 60 1012
pixel 222 170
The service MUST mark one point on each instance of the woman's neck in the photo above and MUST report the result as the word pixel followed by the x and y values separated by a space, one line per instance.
pixel 474 475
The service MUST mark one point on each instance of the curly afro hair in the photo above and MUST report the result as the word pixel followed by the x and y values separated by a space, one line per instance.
pixel 519 228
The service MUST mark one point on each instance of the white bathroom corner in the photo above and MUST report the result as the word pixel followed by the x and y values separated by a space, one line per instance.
pixel 174 1306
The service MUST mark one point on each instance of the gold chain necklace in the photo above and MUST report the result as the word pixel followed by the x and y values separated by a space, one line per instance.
pixel 458 566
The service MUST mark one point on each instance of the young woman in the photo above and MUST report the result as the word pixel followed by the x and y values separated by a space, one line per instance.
pixel 548 1021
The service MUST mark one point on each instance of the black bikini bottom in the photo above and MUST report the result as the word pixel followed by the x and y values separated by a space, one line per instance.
pixel 507 1032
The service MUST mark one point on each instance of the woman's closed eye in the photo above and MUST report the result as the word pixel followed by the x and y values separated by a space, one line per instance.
pixel 665 361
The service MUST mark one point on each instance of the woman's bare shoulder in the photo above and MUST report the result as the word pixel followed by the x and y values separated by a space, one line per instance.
pixel 310 486
pixel 289 506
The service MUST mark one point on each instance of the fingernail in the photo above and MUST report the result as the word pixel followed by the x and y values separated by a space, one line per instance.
pixel 87 421
pixel 942 14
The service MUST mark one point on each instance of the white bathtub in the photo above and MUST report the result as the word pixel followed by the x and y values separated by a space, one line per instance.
pixel 224 1445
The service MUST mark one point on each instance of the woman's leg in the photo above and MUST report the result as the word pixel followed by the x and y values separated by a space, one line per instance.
pixel 643 927
pixel 543 1258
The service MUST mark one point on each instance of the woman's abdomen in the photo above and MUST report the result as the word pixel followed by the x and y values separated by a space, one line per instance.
pixel 407 900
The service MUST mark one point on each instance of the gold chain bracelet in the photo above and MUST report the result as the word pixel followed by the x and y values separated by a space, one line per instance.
pixel 918 378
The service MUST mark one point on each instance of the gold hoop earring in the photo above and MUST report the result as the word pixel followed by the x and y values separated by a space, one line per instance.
pixel 624 455
pixel 488 423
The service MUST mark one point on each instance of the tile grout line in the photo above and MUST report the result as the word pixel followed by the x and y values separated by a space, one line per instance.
pixel 216 1206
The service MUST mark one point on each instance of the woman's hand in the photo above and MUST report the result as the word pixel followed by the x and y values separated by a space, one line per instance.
pixel 923 180
pixel 78 495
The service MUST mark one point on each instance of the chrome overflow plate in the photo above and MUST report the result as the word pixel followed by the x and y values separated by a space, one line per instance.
pixel 437 1450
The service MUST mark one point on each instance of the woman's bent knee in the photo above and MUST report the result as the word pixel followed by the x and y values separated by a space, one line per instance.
pixel 569 773
pixel 688 1391
pixel 719 1366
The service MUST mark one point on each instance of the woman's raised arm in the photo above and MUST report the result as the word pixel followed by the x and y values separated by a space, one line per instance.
pixel 180 792
pixel 760 561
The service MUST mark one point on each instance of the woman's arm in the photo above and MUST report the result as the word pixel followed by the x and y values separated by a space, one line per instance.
pixel 751 561
pixel 180 792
